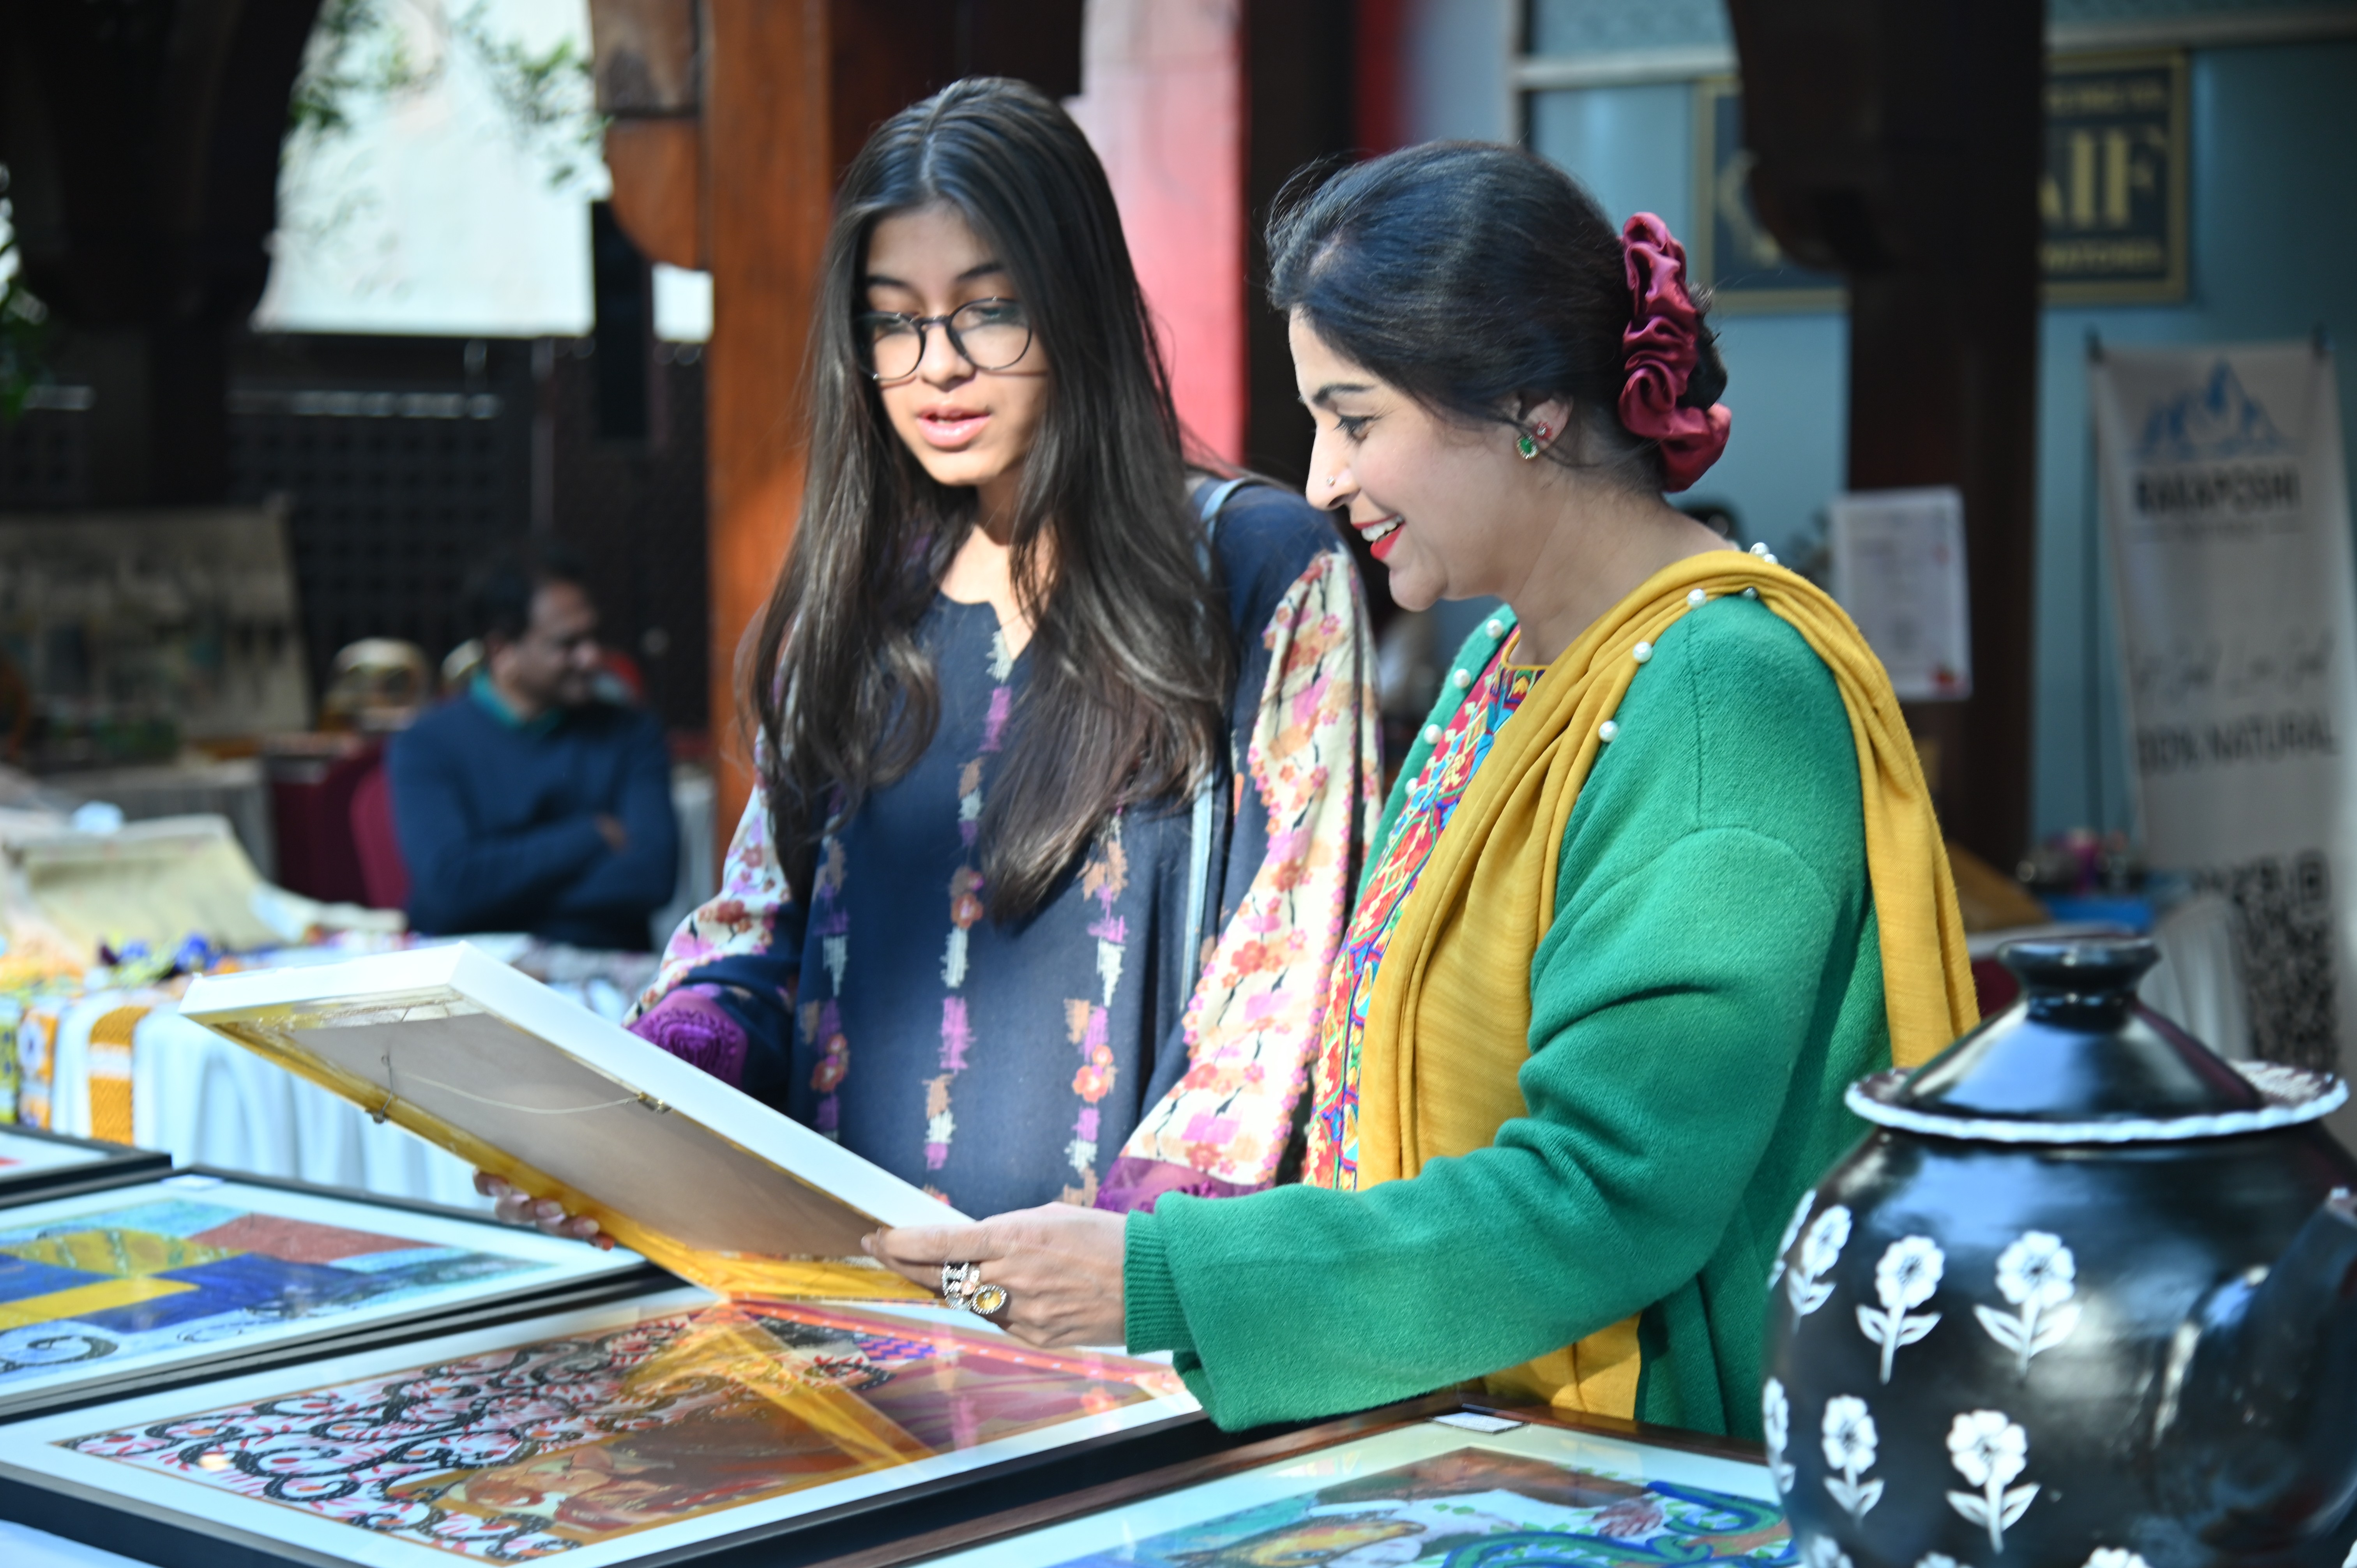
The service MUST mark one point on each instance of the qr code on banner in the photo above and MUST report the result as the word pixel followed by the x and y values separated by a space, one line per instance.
pixel 2287 941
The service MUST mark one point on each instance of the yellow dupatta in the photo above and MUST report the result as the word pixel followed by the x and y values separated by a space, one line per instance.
pixel 1466 933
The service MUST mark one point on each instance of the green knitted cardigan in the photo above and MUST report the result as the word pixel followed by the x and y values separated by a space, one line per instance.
pixel 1710 985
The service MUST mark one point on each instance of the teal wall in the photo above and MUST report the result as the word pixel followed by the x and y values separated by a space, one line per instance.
pixel 2274 227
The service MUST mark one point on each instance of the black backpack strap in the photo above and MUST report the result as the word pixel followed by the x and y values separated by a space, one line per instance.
pixel 1209 497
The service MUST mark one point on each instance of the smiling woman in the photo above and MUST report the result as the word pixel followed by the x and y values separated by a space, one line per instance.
pixel 1066 755
pixel 1658 879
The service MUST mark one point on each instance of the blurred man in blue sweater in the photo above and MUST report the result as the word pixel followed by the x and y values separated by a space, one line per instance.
pixel 526 803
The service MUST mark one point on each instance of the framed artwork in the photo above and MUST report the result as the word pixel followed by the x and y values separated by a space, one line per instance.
pixel 33 1164
pixel 2113 195
pixel 1730 249
pixel 504 1073
pixel 1437 1481
pixel 175 1277
pixel 1899 569
pixel 668 1427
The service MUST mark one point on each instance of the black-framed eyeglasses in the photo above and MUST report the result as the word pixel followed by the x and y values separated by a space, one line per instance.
pixel 989 334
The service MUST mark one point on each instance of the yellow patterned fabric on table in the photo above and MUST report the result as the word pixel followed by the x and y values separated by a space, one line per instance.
pixel 110 1073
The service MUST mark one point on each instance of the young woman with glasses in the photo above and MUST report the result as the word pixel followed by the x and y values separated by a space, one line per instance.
pixel 1061 792
pixel 1659 881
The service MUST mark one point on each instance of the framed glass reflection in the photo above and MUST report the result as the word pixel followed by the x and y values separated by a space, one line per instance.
pixel 1434 1486
pixel 667 1426
pixel 170 1277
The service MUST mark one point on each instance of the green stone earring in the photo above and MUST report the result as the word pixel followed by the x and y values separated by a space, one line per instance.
pixel 1526 447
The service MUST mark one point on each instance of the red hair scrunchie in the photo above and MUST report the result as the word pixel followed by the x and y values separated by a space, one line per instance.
pixel 1660 351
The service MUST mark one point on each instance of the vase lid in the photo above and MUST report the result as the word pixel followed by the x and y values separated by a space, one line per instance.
pixel 2077 1059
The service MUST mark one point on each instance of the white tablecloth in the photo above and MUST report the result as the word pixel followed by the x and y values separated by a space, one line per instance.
pixel 206 1101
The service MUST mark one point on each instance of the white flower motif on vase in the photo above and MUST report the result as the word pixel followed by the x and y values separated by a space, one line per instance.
pixel 2117 1557
pixel 1824 1552
pixel 1850 1442
pixel 1821 1248
pixel 1989 1450
pixel 1776 1426
pixel 1906 1278
pixel 1792 1234
pixel 1937 1560
pixel 2038 1276
pixel 2351 1560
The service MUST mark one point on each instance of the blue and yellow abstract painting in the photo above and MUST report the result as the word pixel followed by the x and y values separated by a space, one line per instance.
pixel 171 1271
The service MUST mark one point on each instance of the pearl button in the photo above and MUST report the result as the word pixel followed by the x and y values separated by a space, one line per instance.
pixel 1642 651
pixel 1432 735
pixel 1495 627
pixel 1460 680
pixel 1751 593
pixel 1769 557
pixel 1760 548
pixel 1609 731
pixel 1696 596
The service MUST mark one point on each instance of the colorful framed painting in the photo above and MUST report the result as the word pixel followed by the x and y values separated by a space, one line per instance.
pixel 668 1427
pixel 34 1162
pixel 179 1276
pixel 1437 1481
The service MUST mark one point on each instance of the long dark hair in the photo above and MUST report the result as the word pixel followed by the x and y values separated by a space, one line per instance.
pixel 1469 274
pixel 1130 661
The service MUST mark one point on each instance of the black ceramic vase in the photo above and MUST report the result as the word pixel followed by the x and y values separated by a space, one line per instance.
pixel 2086 1295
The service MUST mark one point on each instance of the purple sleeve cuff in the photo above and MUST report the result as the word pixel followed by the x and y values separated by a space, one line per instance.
pixel 1138 1185
pixel 691 1025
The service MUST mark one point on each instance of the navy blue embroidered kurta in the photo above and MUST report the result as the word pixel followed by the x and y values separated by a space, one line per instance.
pixel 1006 1066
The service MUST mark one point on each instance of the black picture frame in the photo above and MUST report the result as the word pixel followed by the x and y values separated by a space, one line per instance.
pixel 110 1164
pixel 644 1279
pixel 944 1504
pixel 1254 1451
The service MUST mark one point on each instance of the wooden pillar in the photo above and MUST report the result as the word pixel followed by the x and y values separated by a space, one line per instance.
pixel 769 171
pixel 1321 83
pixel 1298 102
pixel 1898 141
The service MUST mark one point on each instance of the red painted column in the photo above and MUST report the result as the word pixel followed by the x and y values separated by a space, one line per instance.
pixel 1162 102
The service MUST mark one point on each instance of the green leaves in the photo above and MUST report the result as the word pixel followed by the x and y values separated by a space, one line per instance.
pixel 361 51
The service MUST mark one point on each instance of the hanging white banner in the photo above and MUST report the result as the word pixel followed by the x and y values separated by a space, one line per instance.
pixel 2226 504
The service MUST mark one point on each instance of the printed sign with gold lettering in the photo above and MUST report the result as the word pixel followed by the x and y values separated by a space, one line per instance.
pixel 1730 249
pixel 2113 195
